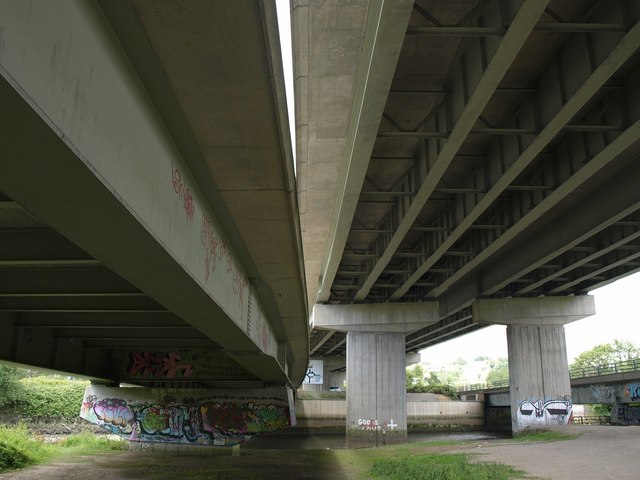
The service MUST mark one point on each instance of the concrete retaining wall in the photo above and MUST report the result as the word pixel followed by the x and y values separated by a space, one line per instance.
pixel 421 411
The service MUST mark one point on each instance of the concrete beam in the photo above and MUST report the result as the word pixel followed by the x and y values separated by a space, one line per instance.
pixel 382 317
pixel 533 311
pixel 592 83
pixel 327 42
pixel 607 204
pixel 385 27
pixel 466 210
pixel 466 113
pixel 105 173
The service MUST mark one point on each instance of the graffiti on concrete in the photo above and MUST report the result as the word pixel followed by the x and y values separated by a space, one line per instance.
pixel 632 391
pixel 372 425
pixel 158 365
pixel 602 393
pixel 190 364
pixel 183 192
pixel 111 410
pixel 625 415
pixel 608 393
pixel 536 413
pixel 206 418
pixel 216 252
pixel 210 257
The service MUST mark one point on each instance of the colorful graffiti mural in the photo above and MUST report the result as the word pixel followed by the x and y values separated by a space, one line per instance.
pixel 540 413
pixel 158 365
pixel 188 364
pixel 204 417
pixel 632 391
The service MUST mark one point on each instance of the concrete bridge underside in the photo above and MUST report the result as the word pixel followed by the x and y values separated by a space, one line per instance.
pixel 147 194
pixel 462 136
pixel 458 164
pixel 485 151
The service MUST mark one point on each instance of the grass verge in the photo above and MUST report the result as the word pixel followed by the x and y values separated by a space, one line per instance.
pixel 548 436
pixel 439 467
pixel 18 448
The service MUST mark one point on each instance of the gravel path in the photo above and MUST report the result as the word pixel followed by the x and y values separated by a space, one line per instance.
pixel 599 453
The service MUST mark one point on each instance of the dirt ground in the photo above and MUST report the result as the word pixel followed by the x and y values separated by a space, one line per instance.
pixel 599 452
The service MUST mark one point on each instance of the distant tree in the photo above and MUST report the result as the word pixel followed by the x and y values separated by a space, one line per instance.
pixel 606 354
pixel 418 381
pixel 415 376
pixel 499 371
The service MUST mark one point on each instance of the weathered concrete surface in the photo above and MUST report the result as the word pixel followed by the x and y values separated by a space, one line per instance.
pixel 127 125
pixel 423 410
pixel 376 393
pixel 387 317
pixel 345 56
pixel 540 389
pixel 533 311
pixel 607 392
pixel 329 40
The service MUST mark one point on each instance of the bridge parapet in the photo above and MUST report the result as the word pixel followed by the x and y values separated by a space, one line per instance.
pixel 611 372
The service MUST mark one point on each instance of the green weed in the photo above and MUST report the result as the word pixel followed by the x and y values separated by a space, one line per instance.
pixel 439 467
pixel 545 436
pixel 18 448
pixel 87 443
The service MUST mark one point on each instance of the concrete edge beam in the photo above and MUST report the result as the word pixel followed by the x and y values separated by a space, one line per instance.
pixel 533 311
pixel 386 317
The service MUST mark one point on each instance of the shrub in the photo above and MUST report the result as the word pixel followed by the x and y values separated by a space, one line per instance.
pixel 11 390
pixel 12 458
pixel 51 397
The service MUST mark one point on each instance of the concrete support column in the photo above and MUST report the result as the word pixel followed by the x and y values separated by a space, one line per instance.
pixel 376 393
pixel 376 361
pixel 538 377
pixel 539 383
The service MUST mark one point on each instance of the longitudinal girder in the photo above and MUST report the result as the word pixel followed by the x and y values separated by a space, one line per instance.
pixel 504 162
pixel 496 143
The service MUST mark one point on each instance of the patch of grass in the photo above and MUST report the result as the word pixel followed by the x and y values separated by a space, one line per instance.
pixel 441 443
pixel 87 443
pixel 439 467
pixel 19 449
pixel 546 436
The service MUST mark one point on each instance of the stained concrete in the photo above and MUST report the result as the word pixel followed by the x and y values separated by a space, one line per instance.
pixel 376 393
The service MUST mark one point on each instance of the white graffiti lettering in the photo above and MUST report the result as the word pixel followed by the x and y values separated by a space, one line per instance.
pixel 367 424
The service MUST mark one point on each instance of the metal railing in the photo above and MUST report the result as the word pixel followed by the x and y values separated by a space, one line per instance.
pixel 595 371
pixel 607 369
pixel 591 420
